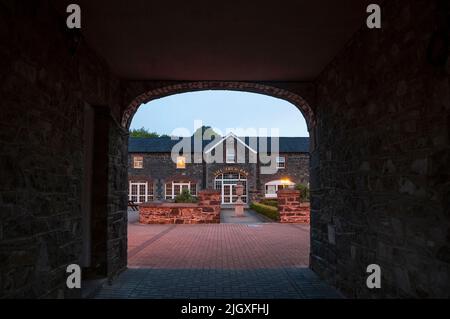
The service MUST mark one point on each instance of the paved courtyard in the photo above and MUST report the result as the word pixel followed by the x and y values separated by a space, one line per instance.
pixel 239 258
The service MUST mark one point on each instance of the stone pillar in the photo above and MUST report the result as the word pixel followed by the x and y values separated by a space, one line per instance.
pixel 290 208
pixel 239 205
pixel 209 201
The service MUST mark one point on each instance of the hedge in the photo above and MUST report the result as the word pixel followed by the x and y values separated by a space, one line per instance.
pixel 268 211
pixel 270 202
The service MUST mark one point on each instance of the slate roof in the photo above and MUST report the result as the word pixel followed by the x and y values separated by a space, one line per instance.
pixel 165 144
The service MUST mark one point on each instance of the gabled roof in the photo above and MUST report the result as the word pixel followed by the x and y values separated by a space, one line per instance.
pixel 165 144
pixel 211 146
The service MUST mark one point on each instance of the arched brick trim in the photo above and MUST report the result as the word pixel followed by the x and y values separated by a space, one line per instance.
pixel 181 178
pixel 184 87
pixel 137 178
pixel 228 170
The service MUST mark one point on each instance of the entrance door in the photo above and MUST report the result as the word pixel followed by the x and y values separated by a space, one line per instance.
pixel 226 183
pixel 229 194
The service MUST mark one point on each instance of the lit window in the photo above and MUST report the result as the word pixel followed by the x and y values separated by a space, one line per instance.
pixel 181 162
pixel 138 162
pixel 281 162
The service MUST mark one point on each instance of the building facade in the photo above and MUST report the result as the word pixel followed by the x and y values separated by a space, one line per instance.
pixel 161 168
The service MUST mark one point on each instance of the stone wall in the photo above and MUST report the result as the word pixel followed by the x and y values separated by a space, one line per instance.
pixel 291 209
pixel 47 78
pixel 380 170
pixel 160 169
pixel 296 170
pixel 206 211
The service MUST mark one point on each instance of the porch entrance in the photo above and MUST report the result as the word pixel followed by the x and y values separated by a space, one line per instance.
pixel 227 183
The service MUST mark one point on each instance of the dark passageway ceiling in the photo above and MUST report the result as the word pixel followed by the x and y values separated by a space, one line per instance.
pixel 219 40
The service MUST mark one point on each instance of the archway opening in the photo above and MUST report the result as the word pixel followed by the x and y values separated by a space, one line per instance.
pixel 185 217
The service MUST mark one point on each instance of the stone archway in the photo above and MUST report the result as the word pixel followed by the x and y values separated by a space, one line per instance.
pixel 183 87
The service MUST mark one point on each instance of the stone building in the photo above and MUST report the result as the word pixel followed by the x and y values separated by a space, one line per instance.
pixel 155 174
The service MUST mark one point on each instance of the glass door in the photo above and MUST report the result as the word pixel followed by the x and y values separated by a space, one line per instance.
pixel 227 194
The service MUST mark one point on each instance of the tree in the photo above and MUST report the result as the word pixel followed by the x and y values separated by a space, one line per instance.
pixel 142 132
pixel 203 129
pixel 304 192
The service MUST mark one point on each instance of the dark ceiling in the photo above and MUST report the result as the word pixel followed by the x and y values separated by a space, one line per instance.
pixel 219 40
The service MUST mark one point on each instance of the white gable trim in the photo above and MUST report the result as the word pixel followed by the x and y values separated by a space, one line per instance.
pixel 225 138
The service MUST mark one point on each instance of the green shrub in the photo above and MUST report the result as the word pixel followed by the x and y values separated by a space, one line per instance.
pixel 304 192
pixel 185 197
pixel 266 210
pixel 270 202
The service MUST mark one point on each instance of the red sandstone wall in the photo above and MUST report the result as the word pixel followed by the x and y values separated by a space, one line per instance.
pixel 206 211
pixel 290 208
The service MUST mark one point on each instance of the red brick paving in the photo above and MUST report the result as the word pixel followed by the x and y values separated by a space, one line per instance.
pixel 218 246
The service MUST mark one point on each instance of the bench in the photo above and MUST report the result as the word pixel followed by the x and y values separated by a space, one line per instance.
pixel 133 205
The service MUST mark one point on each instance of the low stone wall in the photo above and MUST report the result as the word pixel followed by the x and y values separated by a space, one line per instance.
pixel 291 209
pixel 206 211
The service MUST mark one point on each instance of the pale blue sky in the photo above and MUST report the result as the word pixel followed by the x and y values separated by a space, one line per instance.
pixel 222 110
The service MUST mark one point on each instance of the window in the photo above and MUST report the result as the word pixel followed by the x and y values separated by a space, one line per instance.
pixel 138 162
pixel 274 186
pixel 281 162
pixel 226 184
pixel 230 154
pixel 140 192
pixel 181 162
pixel 174 189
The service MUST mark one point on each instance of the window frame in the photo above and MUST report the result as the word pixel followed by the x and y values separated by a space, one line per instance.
pixel 230 150
pixel 148 191
pixel 278 184
pixel 281 160
pixel 172 194
pixel 135 160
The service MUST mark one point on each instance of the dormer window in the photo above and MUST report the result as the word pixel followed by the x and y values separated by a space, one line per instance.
pixel 230 154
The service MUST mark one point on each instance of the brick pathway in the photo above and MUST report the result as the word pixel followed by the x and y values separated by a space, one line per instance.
pixel 256 260
pixel 227 216
pixel 224 246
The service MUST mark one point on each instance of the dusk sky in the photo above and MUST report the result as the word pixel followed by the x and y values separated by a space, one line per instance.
pixel 221 110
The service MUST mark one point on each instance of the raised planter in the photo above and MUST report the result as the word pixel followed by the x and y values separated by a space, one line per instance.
pixel 206 211
pixel 291 209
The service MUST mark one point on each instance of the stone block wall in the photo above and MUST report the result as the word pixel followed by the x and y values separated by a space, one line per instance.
pixel 380 173
pixel 160 169
pixel 296 170
pixel 290 208
pixel 46 81
pixel 206 211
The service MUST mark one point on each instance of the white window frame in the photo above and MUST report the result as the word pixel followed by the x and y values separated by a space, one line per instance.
pixel 230 155
pixel 181 184
pixel 135 157
pixel 277 185
pixel 281 160
pixel 222 179
pixel 146 196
